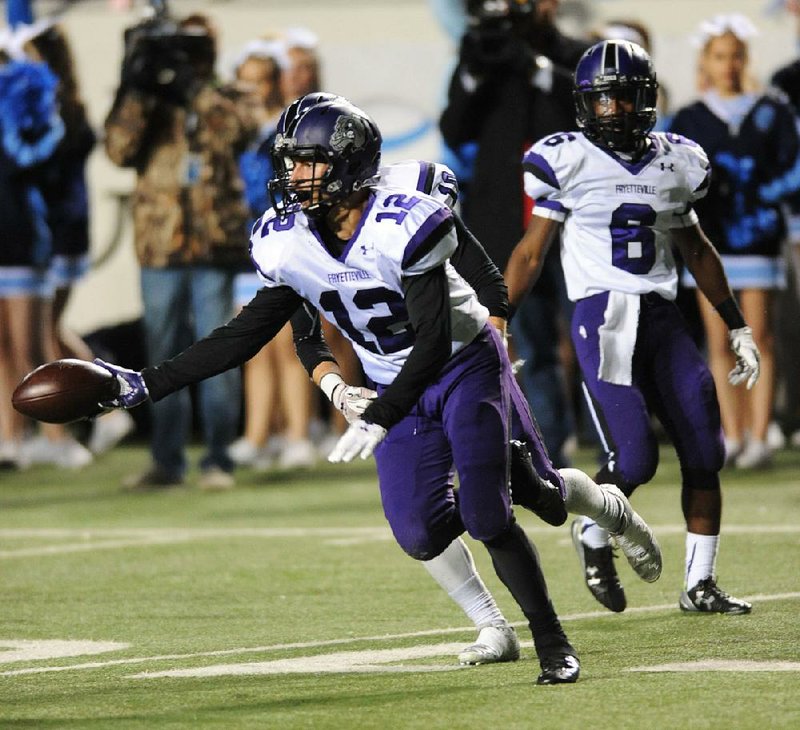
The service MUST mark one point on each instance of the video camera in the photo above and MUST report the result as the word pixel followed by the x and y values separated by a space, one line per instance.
pixel 493 29
pixel 163 57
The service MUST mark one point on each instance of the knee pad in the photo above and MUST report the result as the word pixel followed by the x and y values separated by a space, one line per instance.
pixel 501 539
pixel 420 545
pixel 422 541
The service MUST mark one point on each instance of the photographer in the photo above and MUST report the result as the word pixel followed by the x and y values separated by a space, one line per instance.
pixel 512 86
pixel 183 137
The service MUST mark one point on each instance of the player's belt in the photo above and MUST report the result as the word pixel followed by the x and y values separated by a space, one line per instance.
pixel 651 299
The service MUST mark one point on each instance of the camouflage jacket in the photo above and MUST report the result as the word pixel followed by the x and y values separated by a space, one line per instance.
pixel 188 205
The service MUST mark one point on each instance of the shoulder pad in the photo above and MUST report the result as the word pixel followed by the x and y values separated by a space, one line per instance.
pixel 548 157
pixel 431 178
pixel 271 222
pixel 418 229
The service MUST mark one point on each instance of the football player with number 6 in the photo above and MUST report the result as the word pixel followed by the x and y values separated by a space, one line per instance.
pixel 618 194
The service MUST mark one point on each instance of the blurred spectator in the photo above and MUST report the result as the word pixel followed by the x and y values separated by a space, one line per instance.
pixel 302 74
pixel 30 130
pixel 277 391
pixel 752 143
pixel 183 137
pixel 512 86
pixel 67 199
pixel 787 79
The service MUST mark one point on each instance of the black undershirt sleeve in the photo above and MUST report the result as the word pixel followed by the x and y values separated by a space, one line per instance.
pixel 427 300
pixel 309 344
pixel 226 347
pixel 472 262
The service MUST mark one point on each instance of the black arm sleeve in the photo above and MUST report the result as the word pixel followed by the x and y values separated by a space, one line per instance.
pixel 472 262
pixel 226 347
pixel 309 344
pixel 427 300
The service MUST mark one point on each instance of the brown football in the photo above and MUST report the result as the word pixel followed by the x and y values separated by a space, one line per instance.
pixel 64 390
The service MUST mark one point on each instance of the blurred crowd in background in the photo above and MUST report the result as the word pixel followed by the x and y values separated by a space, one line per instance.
pixel 197 131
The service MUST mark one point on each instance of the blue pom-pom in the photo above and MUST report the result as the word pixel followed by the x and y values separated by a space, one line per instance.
pixel 27 95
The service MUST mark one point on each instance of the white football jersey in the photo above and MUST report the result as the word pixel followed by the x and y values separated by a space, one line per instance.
pixel 617 215
pixel 433 178
pixel 360 292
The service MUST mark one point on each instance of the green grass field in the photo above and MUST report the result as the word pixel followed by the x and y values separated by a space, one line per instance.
pixel 286 604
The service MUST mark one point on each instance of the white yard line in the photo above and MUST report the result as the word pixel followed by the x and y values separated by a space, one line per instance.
pixel 82 547
pixel 721 665
pixel 759 598
pixel 115 538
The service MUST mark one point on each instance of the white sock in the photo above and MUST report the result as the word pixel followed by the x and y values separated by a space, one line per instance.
pixel 454 570
pixel 592 535
pixel 585 497
pixel 701 557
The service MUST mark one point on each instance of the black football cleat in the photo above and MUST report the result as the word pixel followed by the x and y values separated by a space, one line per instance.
pixel 529 490
pixel 599 572
pixel 707 597
pixel 559 670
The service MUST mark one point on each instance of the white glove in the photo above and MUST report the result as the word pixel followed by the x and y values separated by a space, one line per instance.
pixel 360 439
pixel 350 400
pixel 748 358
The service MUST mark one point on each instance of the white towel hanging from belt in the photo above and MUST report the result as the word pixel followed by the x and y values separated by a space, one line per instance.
pixel 617 337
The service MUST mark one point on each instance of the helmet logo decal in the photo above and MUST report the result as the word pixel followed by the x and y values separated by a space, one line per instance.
pixel 350 131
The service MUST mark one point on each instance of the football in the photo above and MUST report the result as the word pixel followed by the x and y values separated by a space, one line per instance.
pixel 64 391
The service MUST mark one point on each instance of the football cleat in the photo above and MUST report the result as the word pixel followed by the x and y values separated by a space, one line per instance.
pixel 637 542
pixel 599 572
pixel 529 490
pixel 707 597
pixel 494 644
pixel 559 670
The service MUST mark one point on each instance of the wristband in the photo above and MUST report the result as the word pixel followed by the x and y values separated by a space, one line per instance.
pixel 328 383
pixel 731 314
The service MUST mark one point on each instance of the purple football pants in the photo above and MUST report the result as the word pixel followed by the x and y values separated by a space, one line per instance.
pixel 462 420
pixel 670 379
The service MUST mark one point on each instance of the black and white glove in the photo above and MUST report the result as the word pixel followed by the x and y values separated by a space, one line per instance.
pixel 360 439
pixel 350 400
pixel 748 358
pixel 132 388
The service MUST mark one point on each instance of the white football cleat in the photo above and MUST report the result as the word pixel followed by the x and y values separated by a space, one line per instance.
pixel 494 644
pixel 637 541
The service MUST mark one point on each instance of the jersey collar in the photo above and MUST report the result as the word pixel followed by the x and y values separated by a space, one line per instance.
pixel 346 250
pixel 634 167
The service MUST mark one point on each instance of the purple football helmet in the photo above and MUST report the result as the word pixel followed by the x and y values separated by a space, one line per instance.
pixel 612 75
pixel 303 104
pixel 333 132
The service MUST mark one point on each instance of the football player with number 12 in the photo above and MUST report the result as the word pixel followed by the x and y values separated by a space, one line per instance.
pixel 375 262
pixel 619 194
